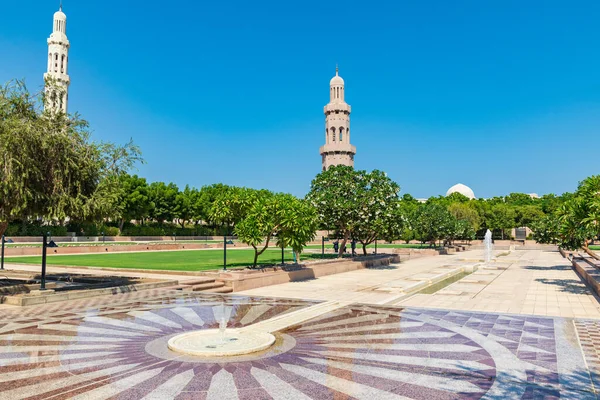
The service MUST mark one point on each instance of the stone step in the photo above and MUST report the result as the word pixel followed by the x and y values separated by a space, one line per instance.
pixel 206 286
pixel 197 281
pixel 178 287
pixel 224 289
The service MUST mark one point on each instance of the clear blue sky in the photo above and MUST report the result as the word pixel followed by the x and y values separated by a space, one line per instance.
pixel 503 96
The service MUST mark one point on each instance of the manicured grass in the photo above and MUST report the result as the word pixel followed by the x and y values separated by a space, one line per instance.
pixel 167 260
pixel 594 247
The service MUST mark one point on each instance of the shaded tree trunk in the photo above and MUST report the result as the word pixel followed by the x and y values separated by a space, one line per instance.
pixel 343 244
pixel 589 251
pixel 257 252
pixel 121 223
pixel 255 257
pixel 364 246
pixel 3 227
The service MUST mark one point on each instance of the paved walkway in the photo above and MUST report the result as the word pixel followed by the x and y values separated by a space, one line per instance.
pixel 524 282
pixel 533 282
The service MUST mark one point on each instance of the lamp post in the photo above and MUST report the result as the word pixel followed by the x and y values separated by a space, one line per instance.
pixel 282 255
pixel 2 256
pixel 322 246
pixel 103 237
pixel 44 248
pixel 225 253
pixel 375 246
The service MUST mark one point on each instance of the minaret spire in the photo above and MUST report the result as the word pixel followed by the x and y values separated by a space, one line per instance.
pixel 56 78
pixel 337 149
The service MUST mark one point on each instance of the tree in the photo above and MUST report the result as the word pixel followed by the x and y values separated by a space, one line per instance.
pixel 133 202
pixel 434 222
pixel 354 202
pixel 501 217
pixel 466 212
pixel 50 166
pixel 407 211
pixel 276 214
pixel 463 230
pixel 377 209
pixel 520 199
pixel 578 218
pixel 528 214
pixel 547 229
pixel 163 198
pixel 298 225
pixel 183 209
pixel 233 204
pixel 203 201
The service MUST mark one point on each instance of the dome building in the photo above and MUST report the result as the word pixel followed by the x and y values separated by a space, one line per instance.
pixel 462 189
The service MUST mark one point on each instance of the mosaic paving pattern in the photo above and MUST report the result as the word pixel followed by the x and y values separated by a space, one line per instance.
pixel 118 350
pixel 589 337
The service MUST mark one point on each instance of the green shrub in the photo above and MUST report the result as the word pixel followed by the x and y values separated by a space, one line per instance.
pixel 34 229
pixel 111 231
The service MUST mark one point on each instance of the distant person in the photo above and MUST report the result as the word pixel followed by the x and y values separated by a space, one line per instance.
pixel 353 245
pixel 336 245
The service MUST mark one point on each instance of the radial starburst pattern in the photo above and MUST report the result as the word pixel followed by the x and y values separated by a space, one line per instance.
pixel 358 352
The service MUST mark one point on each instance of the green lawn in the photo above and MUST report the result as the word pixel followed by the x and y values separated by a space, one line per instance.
pixel 167 260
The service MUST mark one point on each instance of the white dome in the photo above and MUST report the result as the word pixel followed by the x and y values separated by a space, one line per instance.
pixel 462 189
pixel 60 15
pixel 336 81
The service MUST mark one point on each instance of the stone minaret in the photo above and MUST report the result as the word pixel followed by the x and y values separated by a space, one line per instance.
pixel 57 80
pixel 337 149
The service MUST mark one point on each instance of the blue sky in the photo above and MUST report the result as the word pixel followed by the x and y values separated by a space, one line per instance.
pixel 503 96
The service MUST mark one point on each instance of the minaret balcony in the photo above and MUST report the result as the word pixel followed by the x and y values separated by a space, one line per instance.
pixel 61 78
pixel 337 147
pixel 342 107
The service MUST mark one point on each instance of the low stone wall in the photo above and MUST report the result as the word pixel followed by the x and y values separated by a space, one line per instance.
pixel 413 253
pixel 79 239
pixel 588 270
pixel 52 297
pixel 37 251
pixel 252 279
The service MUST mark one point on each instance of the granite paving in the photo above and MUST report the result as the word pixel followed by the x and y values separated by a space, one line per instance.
pixel 115 347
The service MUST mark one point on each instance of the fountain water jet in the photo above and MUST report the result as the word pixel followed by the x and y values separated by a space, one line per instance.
pixel 488 246
pixel 222 341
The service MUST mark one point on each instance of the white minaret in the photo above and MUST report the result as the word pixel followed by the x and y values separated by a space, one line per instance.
pixel 57 79
pixel 337 149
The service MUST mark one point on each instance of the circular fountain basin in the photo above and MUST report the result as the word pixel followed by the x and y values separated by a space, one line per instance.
pixel 210 342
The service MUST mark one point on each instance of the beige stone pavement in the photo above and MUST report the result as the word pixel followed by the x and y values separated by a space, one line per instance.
pixel 523 282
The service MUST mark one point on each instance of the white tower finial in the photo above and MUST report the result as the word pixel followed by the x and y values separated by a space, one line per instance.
pixel 56 78
pixel 337 149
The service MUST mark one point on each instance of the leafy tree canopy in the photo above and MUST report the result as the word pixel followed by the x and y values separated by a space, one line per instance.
pixel 50 166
